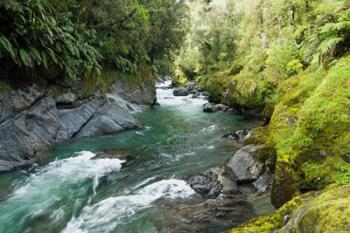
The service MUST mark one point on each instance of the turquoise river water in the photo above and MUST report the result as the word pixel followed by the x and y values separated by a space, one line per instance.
pixel 69 192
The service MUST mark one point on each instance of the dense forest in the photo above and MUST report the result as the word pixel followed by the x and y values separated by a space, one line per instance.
pixel 283 62
pixel 77 39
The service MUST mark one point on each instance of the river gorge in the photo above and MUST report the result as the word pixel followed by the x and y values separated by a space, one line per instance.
pixel 72 189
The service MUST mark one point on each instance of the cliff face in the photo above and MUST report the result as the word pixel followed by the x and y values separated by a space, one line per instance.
pixel 33 118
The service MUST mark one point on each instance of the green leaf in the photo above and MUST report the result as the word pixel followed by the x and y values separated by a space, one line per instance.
pixel 6 44
pixel 25 57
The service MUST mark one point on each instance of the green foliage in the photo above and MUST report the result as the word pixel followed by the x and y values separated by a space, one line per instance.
pixel 270 41
pixel 38 37
pixel 80 38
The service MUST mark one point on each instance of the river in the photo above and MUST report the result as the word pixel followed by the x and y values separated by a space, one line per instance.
pixel 70 192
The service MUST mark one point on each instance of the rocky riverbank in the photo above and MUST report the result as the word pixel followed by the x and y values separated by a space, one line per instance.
pixel 33 119
pixel 221 202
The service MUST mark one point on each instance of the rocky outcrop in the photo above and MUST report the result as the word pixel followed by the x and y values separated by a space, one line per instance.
pixel 31 121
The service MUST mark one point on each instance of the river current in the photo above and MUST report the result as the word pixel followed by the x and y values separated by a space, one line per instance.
pixel 69 192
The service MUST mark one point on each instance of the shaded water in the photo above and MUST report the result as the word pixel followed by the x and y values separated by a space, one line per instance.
pixel 68 192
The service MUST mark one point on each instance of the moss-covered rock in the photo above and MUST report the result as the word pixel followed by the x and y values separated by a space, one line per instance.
pixel 309 130
pixel 326 212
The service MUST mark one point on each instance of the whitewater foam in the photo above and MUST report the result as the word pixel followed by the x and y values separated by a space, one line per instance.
pixel 109 213
pixel 70 170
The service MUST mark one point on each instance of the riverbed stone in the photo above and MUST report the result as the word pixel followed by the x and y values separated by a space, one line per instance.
pixel 245 165
pixel 181 91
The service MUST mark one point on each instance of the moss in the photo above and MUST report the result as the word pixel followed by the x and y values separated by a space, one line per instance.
pixel 326 212
pixel 309 131
pixel 5 86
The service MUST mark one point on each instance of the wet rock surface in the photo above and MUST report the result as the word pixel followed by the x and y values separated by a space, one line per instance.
pixel 245 165
pixel 31 122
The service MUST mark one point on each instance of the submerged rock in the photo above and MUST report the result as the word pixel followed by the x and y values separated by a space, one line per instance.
pixel 181 91
pixel 245 165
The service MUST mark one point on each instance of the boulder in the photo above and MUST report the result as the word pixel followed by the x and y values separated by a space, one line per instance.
pixel 110 118
pixel 72 120
pixel 181 91
pixel 245 165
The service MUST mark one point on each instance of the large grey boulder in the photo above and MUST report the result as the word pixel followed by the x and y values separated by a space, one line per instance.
pixel 30 131
pixel 245 164
pixel 110 118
